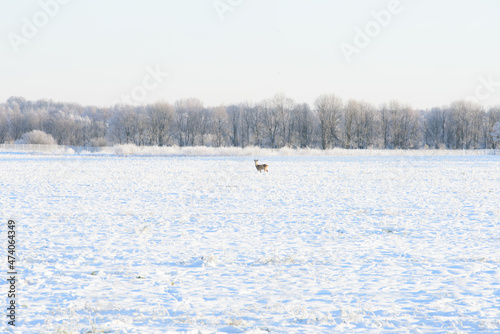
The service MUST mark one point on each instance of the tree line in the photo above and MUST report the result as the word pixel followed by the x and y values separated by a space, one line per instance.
pixel 274 123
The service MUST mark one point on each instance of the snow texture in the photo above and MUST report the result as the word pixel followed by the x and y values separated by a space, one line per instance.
pixel 116 244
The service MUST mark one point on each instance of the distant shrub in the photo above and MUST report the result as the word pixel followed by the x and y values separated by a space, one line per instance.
pixel 98 142
pixel 37 137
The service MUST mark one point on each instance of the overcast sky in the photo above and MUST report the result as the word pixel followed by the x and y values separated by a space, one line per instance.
pixel 422 52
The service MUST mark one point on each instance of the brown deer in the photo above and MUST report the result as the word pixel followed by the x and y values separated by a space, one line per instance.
pixel 261 168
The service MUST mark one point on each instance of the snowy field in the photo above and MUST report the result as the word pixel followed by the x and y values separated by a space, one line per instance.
pixel 113 244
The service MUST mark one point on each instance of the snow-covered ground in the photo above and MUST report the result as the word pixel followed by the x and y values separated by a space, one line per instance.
pixel 318 244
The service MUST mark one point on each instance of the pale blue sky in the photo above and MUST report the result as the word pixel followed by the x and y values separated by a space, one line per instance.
pixel 91 52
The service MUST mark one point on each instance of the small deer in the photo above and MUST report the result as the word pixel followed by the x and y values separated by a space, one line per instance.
pixel 261 168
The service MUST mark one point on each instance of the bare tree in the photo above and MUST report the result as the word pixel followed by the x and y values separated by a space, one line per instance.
pixel 434 127
pixel 282 107
pixel 385 126
pixel 351 115
pixel 246 123
pixel 271 121
pixel 4 124
pixel 495 135
pixel 466 124
pixel 17 123
pixel 400 126
pixel 252 125
pixel 124 125
pixel 405 122
pixel 188 120
pixel 365 126
pixel 328 110
pixel 492 128
pixel 220 125
pixel 304 119
pixel 234 123
pixel 161 116
pixel 98 125
pixel 204 125
pixel 143 135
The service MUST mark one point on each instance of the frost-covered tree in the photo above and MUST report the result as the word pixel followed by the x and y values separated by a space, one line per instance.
pixel 365 126
pixel 328 108
pixel 305 125
pixel 283 108
pixel 271 122
pixel 124 124
pixel 491 121
pixel 351 114
pixel 400 126
pixel 358 125
pixel 220 125
pixel 97 124
pixel 252 125
pixel 275 122
pixel 160 118
pixel 465 122
pixel 495 134
pixel 188 117
pixel 234 123
pixel 434 127
pixel 4 124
